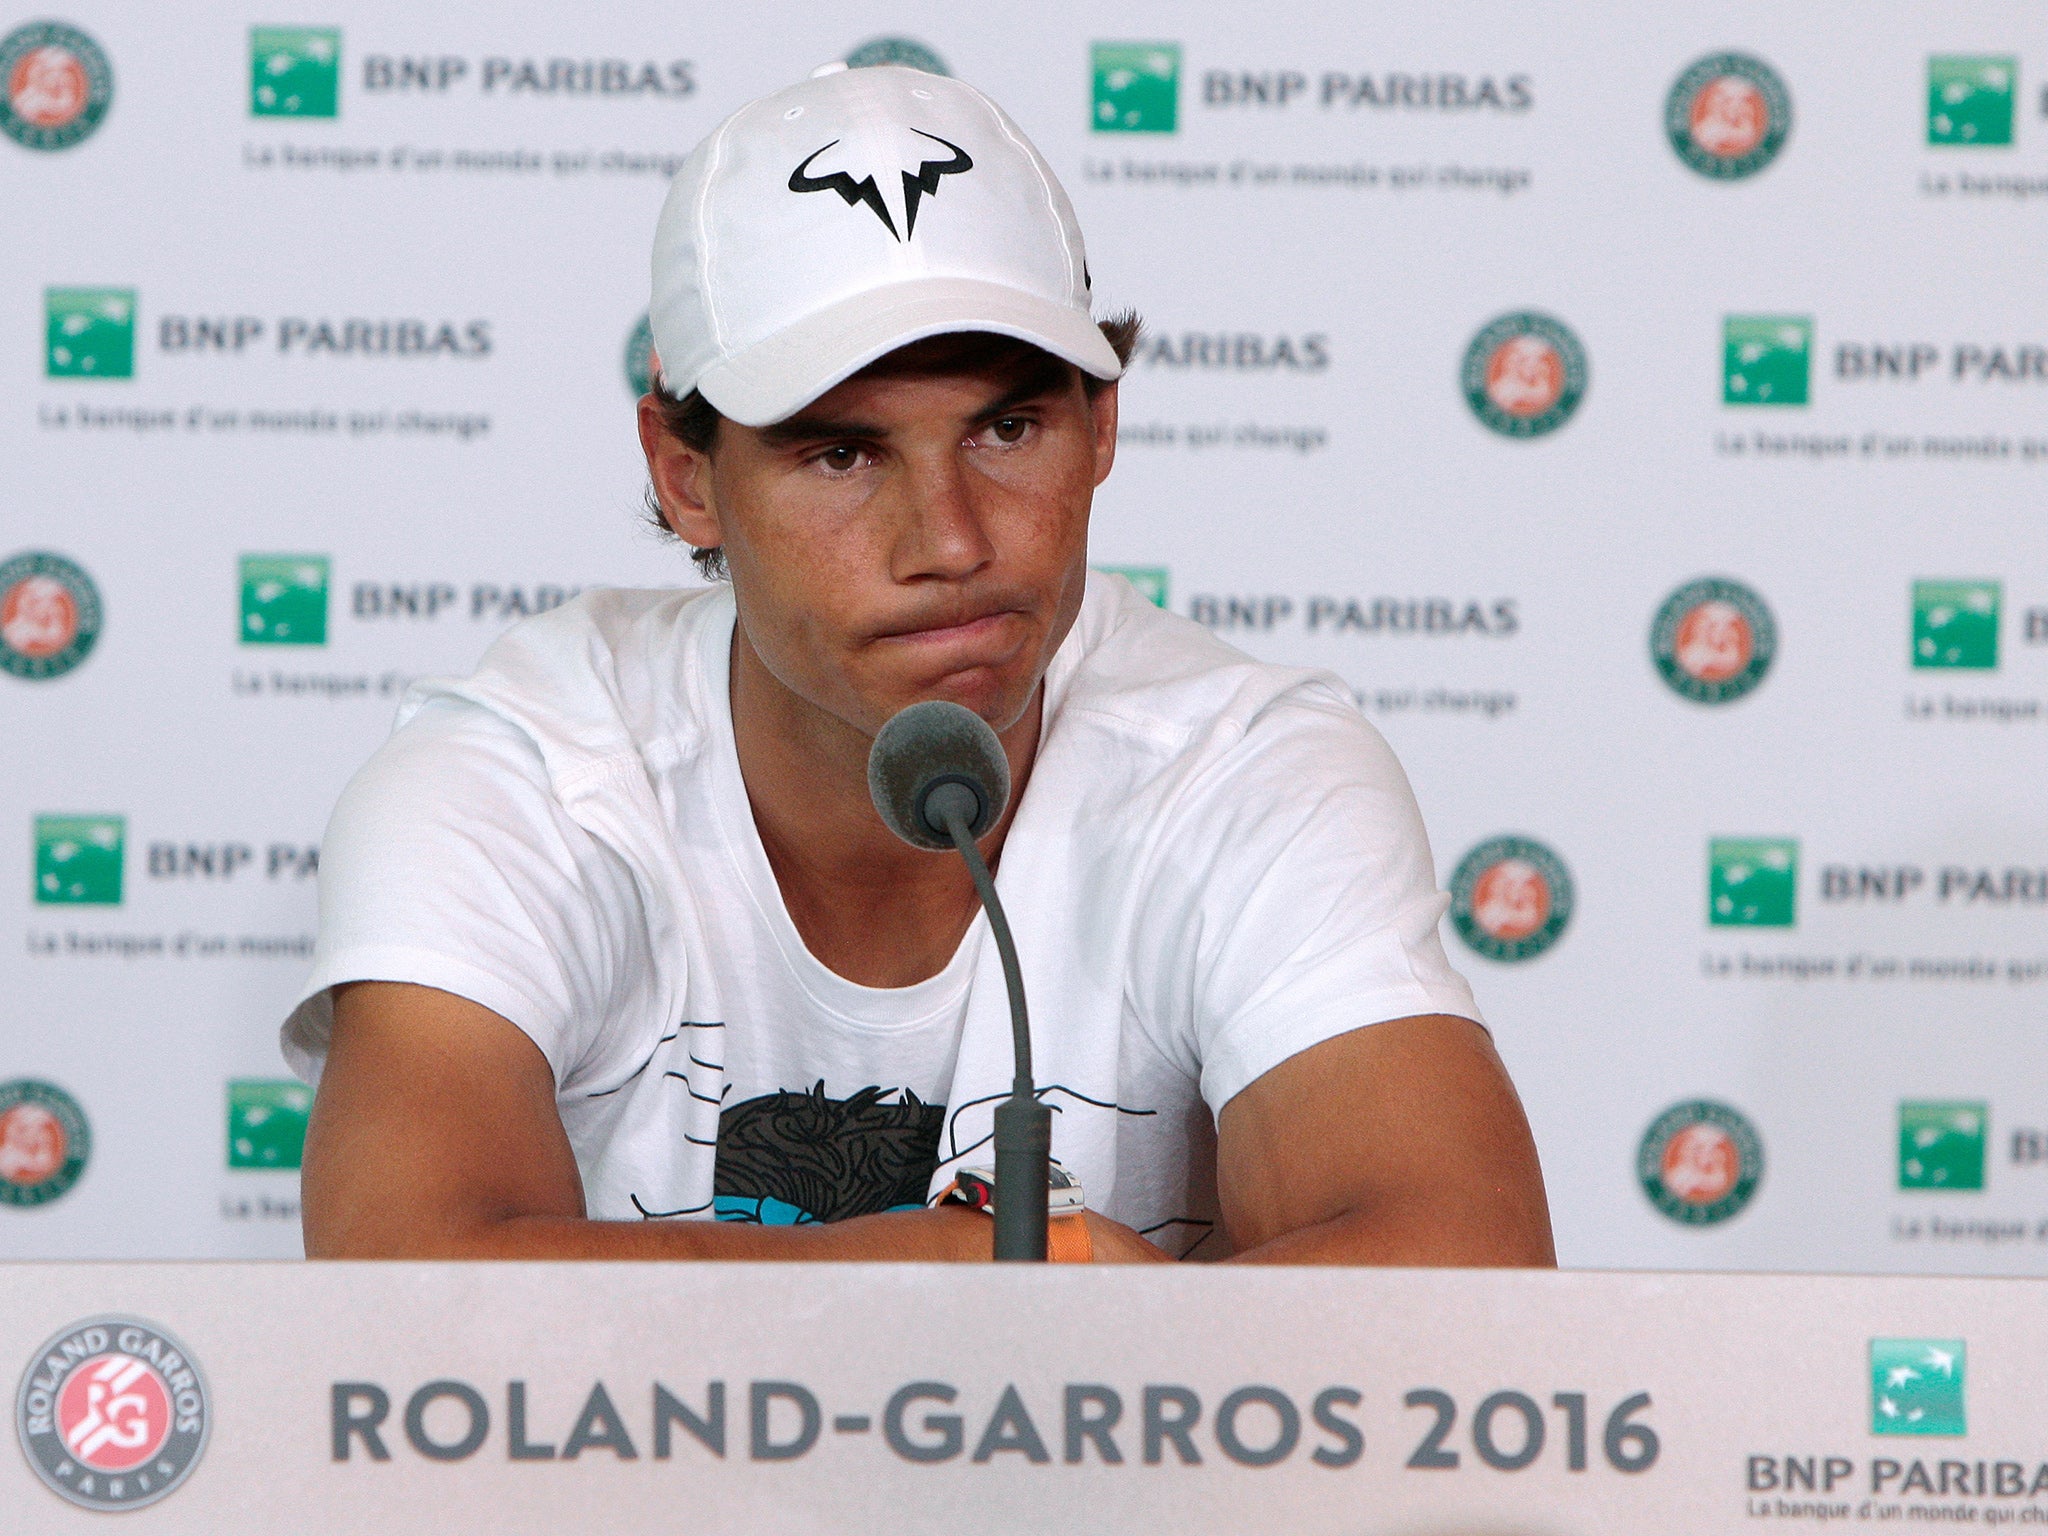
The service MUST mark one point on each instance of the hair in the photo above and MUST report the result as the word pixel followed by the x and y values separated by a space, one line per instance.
pixel 694 421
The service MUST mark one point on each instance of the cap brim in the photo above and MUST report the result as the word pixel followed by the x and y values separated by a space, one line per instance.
pixel 776 378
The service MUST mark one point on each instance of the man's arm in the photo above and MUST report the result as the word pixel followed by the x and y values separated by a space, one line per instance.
pixel 435 1136
pixel 1398 1143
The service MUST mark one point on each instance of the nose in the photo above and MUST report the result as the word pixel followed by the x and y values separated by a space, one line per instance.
pixel 943 535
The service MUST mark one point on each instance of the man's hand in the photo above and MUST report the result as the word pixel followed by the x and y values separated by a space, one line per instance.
pixel 1398 1143
pixel 435 1136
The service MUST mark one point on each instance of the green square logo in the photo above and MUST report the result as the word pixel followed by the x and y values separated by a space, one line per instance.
pixel 1137 87
pixel 1955 624
pixel 284 599
pixel 1941 1146
pixel 1150 580
pixel 267 1122
pixel 1916 1387
pixel 1765 359
pixel 1970 99
pixel 1752 882
pixel 90 333
pixel 78 860
pixel 294 71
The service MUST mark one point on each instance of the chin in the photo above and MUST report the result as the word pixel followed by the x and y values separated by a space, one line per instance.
pixel 998 696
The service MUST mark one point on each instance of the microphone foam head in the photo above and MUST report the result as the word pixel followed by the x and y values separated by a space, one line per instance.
pixel 925 746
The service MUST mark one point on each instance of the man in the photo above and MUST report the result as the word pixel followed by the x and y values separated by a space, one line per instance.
pixel 612 935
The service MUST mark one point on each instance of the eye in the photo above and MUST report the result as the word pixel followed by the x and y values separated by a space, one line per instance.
pixel 839 459
pixel 1010 429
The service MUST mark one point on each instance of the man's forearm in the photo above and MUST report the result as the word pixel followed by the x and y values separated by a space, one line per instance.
pixel 1361 1237
pixel 952 1234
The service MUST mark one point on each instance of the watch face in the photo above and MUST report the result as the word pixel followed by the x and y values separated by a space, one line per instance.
pixel 1062 1192
pixel 977 1187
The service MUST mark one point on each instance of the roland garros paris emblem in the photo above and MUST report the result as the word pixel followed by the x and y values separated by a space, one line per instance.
pixel 1524 375
pixel 112 1413
pixel 1713 640
pixel 55 85
pixel 1511 898
pixel 49 615
pixel 1728 116
pixel 1700 1162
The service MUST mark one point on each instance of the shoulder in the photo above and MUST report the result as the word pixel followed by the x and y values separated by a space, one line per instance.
pixel 612 674
pixel 1169 693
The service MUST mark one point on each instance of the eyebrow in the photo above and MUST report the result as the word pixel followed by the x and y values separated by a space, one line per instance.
pixel 812 429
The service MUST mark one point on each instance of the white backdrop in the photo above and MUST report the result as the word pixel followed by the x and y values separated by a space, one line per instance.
pixel 388 350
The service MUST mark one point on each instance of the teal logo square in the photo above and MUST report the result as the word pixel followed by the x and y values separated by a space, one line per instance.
pixel 1766 359
pixel 1970 100
pixel 1753 882
pixel 294 71
pixel 78 860
pixel 1137 87
pixel 1916 1387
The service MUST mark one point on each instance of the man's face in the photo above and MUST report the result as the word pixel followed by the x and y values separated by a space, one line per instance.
pixel 918 532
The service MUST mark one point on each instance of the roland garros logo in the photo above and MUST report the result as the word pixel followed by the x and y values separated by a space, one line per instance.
pixel 1700 1162
pixel 1524 375
pixel 112 1413
pixel 1728 115
pixel 55 85
pixel 1713 640
pixel 1511 898
pixel 49 615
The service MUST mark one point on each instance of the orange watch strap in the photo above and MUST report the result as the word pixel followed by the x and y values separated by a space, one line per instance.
pixel 1067 1240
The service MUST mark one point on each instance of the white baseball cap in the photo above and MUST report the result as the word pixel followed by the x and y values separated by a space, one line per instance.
pixel 819 228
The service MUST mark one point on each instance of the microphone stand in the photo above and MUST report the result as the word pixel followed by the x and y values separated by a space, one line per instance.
pixel 1023 1124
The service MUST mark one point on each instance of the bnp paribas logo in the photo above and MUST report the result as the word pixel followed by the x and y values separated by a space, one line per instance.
pixel 905 51
pixel 267 1122
pixel 1941 1145
pixel 1970 100
pixel 89 333
pixel 1955 624
pixel 1150 580
pixel 1511 898
pixel 1713 640
pixel 294 71
pixel 1524 374
pixel 1700 1162
pixel 1917 1387
pixel 1753 882
pixel 284 599
pixel 1137 87
pixel 642 361
pixel 49 615
pixel 1728 116
pixel 55 85
pixel 78 860
pixel 1766 359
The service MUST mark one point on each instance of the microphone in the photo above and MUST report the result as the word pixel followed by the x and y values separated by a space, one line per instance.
pixel 939 778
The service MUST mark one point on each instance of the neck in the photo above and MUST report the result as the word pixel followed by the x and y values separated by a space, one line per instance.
pixel 867 905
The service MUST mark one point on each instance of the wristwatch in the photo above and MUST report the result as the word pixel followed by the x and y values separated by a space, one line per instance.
pixel 1066 1233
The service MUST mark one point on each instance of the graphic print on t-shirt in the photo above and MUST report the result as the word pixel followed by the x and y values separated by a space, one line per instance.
pixel 792 1157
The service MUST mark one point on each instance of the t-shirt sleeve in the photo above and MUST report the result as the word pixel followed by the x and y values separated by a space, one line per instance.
pixel 450 863
pixel 1294 899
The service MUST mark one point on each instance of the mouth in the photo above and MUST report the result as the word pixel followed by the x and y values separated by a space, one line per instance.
pixel 950 631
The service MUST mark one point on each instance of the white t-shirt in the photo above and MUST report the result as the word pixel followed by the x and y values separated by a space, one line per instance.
pixel 1216 864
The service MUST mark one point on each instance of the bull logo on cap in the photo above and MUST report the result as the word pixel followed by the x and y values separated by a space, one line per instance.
pixel 917 185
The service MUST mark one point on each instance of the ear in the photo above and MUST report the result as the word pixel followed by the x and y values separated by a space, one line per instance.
pixel 1104 407
pixel 681 476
